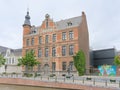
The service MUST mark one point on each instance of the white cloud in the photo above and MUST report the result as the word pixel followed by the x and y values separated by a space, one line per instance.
pixel 103 17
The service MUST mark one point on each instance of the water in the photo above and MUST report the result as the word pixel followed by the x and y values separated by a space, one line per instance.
pixel 14 87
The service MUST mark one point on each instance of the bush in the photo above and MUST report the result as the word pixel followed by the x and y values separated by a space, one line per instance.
pixel 112 81
pixel 88 78
pixel 37 74
pixel 28 75
pixel 64 75
pixel 52 75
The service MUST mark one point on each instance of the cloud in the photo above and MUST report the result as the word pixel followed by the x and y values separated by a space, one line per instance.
pixel 103 18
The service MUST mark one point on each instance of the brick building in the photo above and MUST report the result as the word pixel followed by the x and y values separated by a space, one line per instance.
pixel 55 43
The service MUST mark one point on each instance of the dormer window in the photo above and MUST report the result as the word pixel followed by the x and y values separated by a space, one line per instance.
pixel 69 23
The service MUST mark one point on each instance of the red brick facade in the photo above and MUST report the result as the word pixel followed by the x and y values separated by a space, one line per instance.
pixel 79 39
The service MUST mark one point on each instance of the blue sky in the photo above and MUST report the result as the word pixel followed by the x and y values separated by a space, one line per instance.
pixel 103 18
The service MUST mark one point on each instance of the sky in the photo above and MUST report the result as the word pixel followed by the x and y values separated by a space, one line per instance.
pixel 103 19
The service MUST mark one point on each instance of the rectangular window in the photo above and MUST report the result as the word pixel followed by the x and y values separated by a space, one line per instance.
pixel 53 51
pixel 32 41
pixel 71 50
pixel 63 66
pixel 46 52
pixel 27 42
pixel 46 39
pixel 71 35
pixel 40 40
pixel 64 36
pixel 71 65
pixel 53 66
pixel 39 52
pixel 12 60
pixel 54 37
pixel 63 50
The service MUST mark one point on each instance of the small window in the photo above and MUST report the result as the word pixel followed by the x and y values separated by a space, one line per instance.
pixel 32 41
pixel 71 35
pixel 64 36
pixel 63 66
pixel 71 65
pixel 63 50
pixel 46 39
pixel 53 66
pixel 46 52
pixel 71 50
pixel 27 42
pixel 54 37
pixel 53 51
pixel 39 53
pixel 69 23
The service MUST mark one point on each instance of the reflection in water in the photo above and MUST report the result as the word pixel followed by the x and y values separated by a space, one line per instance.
pixel 13 87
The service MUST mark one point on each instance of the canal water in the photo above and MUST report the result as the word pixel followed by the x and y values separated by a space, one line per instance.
pixel 14 87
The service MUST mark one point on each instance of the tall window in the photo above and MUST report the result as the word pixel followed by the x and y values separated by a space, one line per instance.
pixel 54 37
pixel 32 41
pixel 13 61
pixel 63 66
pixel 63 50
pixel 40 40
pixel 71 65
pixel 53 51
pixel 71 50
pixel 39 52
pixel 46 52
pixel 53 66
pixel 71 35
pixel 46 39
pixel 64 36
pixel 27 42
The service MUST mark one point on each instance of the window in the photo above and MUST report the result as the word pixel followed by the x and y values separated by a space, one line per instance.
pixel 46 39
pixel 53 51
pixel 71 50
pixel 64 36
pixel 39 52
pixel 32 41
pixel 71 35
pixel 13 61
pixel 40 40
pixel 63 66
pixel 27 42
pixel 69 23
pixel 63 50
pixel 54 37
pixel 71 65
pixel 46 52
pixel 53 66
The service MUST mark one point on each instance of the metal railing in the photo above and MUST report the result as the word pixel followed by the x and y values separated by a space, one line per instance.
pixel 96 81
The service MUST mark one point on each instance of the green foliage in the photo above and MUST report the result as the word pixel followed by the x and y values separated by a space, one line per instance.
pixel 2 60
pixel 117 60
pixel 79 62
pixel 28 60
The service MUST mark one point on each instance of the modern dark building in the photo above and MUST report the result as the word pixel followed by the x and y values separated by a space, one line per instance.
pixel 102 57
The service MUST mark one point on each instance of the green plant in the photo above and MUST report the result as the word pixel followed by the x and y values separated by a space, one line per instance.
pixel 117 60
pixel 2 60
pixel 79 62
pixel 52 75
pixel 88 78
pixel 28 60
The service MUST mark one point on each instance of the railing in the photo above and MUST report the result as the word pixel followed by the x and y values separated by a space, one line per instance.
pixel 96 81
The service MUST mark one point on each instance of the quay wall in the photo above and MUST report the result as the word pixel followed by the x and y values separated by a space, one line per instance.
pixel 27 82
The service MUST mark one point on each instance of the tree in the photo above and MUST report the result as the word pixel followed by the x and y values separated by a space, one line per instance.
pixel 79 62
pixel 117 60
pixel 29 60
pixel 2 60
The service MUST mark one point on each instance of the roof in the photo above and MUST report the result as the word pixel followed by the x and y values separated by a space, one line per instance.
pixel 75 21
pixel 3 49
